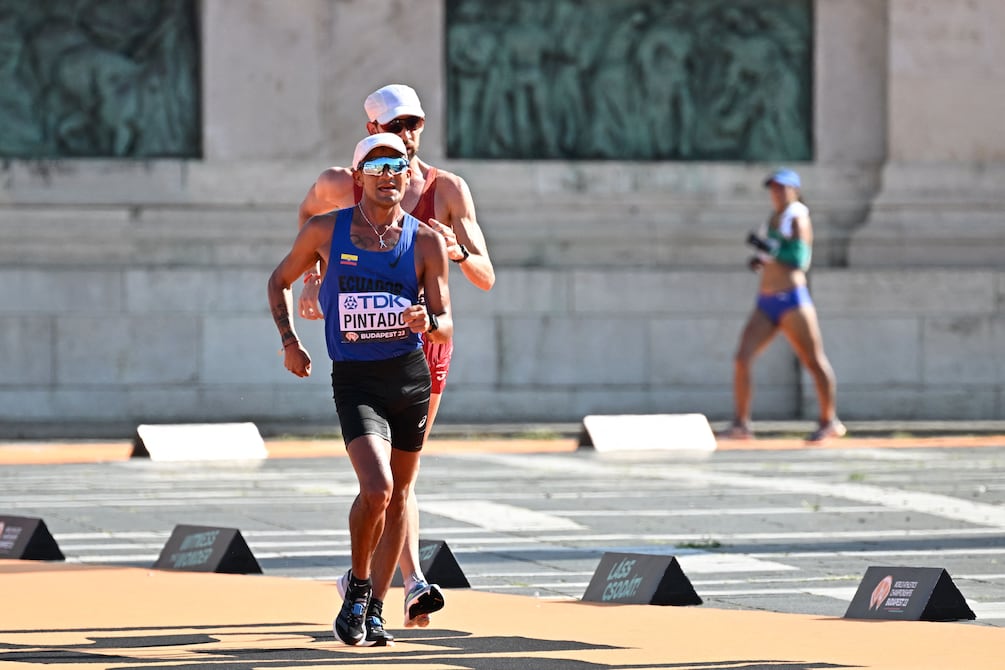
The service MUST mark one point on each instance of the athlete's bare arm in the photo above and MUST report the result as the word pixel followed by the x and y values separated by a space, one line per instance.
pixel 433 268
pixel 460 227
pixel 309 248
pixel 333 189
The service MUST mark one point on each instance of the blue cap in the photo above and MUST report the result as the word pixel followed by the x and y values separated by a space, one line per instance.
pixel 785 177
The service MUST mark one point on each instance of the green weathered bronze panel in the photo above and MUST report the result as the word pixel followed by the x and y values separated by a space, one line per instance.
pixel 630 79
pixel 99 78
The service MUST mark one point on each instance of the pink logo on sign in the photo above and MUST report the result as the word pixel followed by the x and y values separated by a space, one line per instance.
pixel 881 591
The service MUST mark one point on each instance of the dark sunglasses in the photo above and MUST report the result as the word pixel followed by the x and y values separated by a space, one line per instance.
pixel 412 123
pixel 376 166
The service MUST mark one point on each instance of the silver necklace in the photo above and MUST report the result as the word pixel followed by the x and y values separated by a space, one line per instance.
pixel 380 236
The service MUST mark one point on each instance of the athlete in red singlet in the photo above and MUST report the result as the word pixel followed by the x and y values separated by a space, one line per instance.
pixel 442 200
pixel 438 356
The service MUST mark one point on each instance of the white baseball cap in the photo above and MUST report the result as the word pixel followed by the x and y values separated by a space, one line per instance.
pixel 371 142
pixel 392 101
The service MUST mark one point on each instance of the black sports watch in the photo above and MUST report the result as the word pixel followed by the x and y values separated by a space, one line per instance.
pixel 434 323
pixel 464 250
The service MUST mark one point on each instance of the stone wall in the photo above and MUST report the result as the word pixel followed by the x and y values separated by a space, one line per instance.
pixel 136 291
pixel 86 350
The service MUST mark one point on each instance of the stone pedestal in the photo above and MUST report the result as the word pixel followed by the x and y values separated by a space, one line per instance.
pixel 948 215
pixel 941 198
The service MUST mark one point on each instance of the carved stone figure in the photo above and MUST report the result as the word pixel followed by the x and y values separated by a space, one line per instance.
pixel 632 80
pixel 99 78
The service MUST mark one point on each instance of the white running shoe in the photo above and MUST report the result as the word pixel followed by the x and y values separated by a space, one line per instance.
pixel 421 601
pixel 833 428
pixel 342 583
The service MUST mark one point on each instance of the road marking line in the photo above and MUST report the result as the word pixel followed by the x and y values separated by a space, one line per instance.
pixel 872 553
pixel 726 511
pixel 990 610
pixel 934 504
pixel 498 517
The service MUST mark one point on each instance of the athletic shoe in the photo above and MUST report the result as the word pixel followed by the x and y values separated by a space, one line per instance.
pixel 422 600
pixel 833 428
pixel 737 431
pixel 349 625
pixel 342 583
pixel 376 636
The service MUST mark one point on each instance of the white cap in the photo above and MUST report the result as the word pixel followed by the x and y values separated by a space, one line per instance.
pixel 392 101
pixel 371 142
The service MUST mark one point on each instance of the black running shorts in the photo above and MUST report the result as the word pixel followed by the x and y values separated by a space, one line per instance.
pixel 388 398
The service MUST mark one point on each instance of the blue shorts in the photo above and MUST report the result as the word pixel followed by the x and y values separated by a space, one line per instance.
pixel 774 305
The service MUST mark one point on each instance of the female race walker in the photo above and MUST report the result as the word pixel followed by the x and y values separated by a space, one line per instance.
pixel 784 304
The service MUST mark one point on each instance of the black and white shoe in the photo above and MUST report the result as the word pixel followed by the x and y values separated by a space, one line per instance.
pixel 349 625
pixel 376 636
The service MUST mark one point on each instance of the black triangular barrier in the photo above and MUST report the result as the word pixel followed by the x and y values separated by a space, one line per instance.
pixel 207 549
pixel 640 579
pixel 912 594
pixel 27 538
pixel 438 565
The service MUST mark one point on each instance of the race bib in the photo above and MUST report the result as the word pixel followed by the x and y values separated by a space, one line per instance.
pixel 372 317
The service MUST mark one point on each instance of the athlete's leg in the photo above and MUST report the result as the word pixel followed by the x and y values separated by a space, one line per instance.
pixel 755 337
pixel 368 454
pixel 369 457
pixel 434 408
pixel 802 330
pixel 408 561
pixel 404 467
pixel 438 358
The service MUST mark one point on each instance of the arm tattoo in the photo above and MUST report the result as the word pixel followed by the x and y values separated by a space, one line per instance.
pixel 282 319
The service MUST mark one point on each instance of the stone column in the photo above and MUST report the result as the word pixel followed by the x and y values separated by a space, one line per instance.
pixel 849 124
pixel 260 78
pixel 941 201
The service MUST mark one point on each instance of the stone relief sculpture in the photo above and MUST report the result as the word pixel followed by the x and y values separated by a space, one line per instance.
pixel 470 51
pixel 18 94
pixel 99 78
pixel 630 80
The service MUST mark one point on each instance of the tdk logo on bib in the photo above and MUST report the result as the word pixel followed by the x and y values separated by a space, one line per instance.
pixel 372 316
pixel 375 301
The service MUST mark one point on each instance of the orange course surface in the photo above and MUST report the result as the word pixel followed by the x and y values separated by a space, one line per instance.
pixel 24 452
pixel 60 616
pixel 40 453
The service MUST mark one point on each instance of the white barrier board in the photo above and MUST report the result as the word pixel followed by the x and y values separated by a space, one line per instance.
pixel 199 442
pixel 640 432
